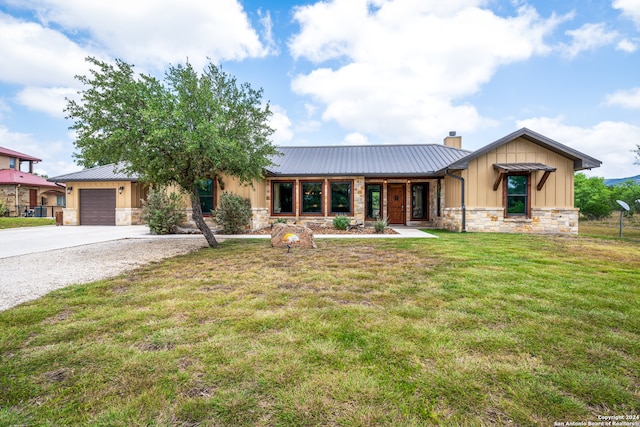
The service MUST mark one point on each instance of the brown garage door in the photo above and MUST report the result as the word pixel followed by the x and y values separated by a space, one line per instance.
pixel 98 207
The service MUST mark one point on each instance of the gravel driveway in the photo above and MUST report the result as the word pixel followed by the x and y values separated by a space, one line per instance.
pixel 27 277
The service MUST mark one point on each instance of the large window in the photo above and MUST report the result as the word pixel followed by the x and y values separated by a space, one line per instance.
pixel 517 195
pixel 12 163
pixel 374 201
pixel 419 201
pixel 341 197
pixel 205 191
pixel 311 197
pixel 282 197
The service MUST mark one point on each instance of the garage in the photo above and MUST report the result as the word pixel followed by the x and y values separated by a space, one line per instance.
pixel 97 207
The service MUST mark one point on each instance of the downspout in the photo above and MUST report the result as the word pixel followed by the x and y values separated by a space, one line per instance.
pixel 464 208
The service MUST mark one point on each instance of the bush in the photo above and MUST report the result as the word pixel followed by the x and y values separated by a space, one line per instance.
pixel 380 225
pixel 341 222
pixel 162 212
pixel 280 221
pixel 233 213
pixel 3 208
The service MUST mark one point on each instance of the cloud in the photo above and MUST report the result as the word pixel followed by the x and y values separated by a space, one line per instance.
pixel 48 100
pixel 589 37
pixel 153 33
pixel 626 99
pixel 608 141
pixel 395 70
pixel 34 55
pixel 282 125
pixel 356 138
pixel 626 45
pixel 630 9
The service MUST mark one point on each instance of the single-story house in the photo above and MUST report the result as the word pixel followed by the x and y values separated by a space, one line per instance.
pixel 26 194
pixel 522 182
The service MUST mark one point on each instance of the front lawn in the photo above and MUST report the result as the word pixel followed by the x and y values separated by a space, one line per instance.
pixel 14 222
pixel 467 329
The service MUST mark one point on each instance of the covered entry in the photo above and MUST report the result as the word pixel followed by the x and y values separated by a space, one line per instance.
pixel 97 207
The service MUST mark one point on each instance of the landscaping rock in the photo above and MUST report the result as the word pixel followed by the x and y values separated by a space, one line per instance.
pixel 281 236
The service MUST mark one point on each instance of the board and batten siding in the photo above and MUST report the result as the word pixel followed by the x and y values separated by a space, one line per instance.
pixel 480 176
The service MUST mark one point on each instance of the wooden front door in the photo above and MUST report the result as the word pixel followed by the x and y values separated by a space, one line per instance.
pixel 395 203
pixel 33 198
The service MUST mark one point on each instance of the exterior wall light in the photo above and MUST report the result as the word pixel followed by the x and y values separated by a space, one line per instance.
pixel 69 190
pixel 121 189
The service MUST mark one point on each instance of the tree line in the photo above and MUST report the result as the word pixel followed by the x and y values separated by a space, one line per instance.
pixel 597 200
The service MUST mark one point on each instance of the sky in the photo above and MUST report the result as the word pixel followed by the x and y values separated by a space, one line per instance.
pixel 347 71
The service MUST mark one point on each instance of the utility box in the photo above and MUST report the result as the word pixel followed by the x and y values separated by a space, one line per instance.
pixel 59 218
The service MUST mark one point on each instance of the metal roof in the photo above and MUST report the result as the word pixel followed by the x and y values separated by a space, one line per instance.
pixel 111 172
pixel 365 160
pixel 523 167
pixel 580 160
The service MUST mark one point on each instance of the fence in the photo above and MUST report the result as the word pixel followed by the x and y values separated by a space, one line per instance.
pixel 43 211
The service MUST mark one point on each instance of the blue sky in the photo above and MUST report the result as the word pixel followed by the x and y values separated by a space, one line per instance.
pixel 348 71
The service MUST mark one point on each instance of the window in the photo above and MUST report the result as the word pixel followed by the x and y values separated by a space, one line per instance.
pixel 12 163
pixel 341 201
pixel 205 191
pixel 60 200
pixel 282 196
pixel 419 201
pixel 517 195
pixel 312 198
pixel 374 197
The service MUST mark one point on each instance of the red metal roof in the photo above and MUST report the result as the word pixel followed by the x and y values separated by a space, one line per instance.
pixel 10 153
pixel 14 177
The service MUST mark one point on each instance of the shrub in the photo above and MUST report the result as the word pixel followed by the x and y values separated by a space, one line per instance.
pixel 341 222
pixel 280 221
pixel 162 212
pixel 3 208
pixel 233 213
pixel 380 225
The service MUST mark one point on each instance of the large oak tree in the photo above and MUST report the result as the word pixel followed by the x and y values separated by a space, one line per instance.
pixel 177 130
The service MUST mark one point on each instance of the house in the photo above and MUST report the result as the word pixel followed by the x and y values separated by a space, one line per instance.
pixel 23 193
pixel 522 182
pixel 103 195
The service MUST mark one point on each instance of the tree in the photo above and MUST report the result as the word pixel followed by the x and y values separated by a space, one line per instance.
pixel 172 131
pixel 592 196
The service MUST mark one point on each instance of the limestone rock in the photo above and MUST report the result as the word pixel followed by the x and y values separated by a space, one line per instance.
pixel 298 236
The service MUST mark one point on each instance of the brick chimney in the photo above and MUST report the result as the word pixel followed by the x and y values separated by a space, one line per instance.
pixel 452 140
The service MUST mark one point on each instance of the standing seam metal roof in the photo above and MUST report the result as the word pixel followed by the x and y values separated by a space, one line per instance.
pixel 365 160
pixel 109 172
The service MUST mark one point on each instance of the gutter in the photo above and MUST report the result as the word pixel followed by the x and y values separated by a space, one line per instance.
pixel 464 208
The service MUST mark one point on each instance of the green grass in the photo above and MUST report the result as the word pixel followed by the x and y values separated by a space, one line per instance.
pixel 609 228
pixel 467 329
pixel 25 222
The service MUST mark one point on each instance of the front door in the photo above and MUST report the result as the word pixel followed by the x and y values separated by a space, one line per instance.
pixel 395 203
pixel 33 198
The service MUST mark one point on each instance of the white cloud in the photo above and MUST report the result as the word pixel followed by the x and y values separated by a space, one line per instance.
pixel 49 100
pixel 626 99
pixel 610 142
pixel 282 125
pixel 404 64
pixel 627 45
pixel 154 33
pixel 34 55
pixel 630 9
pixel 589 37
pixel 355 138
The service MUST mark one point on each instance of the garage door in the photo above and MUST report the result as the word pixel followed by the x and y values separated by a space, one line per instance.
pixel 98 207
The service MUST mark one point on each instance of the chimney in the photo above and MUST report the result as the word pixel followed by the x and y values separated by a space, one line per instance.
pixel 453 141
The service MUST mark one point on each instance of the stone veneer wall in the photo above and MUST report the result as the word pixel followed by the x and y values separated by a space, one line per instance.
pixel 129 216
pixel 542 221
pixel 69 216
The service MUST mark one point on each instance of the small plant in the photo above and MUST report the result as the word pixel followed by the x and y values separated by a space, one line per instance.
pixel 3 208
pixel 280 221
pixel 162 212
pixel 341 222
pixel 380 225
pixel 233 213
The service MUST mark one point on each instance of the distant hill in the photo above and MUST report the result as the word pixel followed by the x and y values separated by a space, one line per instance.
pixel 616 181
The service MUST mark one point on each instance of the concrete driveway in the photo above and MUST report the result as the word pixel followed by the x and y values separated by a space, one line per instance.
pixel 29 240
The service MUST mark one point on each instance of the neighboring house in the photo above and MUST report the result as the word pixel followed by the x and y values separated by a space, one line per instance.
pixel 520 183
pixel 102 196
pixel 26 194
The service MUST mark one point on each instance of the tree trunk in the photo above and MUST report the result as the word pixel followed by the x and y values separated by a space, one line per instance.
pixel 199 220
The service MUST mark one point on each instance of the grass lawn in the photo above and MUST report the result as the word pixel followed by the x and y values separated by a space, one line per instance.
pixel 467 329
pixel 13 222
